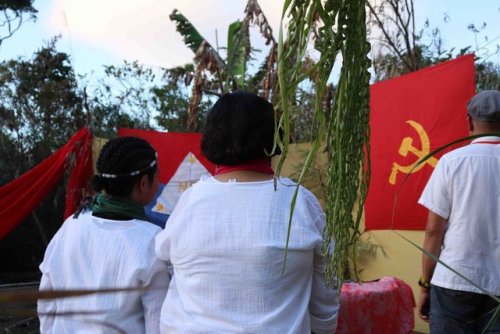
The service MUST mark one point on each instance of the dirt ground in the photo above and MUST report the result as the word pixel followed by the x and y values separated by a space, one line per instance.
pixel 15 325
pixel 18 317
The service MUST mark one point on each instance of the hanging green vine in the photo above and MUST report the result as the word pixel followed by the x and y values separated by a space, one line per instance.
pixel 336 27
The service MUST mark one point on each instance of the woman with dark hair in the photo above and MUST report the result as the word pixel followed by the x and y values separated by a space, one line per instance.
pixel 226 238
pixel 110 246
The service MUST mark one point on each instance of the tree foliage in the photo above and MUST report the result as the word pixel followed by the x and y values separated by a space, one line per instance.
pixel 120 99
pixel 135 96
pixel 12 14
pixel 40 109
pixel 37 95
pixel 400 47
pixel 488 75
pixel 215 75
pixel 397 49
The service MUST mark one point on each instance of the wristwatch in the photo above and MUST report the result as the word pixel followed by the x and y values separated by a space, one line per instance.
pixel 424 284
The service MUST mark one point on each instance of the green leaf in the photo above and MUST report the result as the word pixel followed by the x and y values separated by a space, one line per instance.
pixel 192 37
pixel 238 52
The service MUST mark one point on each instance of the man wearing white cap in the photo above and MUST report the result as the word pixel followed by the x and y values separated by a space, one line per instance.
pixel 463 228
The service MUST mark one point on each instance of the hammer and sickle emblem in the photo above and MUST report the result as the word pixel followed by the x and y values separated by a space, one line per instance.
pixel 407 147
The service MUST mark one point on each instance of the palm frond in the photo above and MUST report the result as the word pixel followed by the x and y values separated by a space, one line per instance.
pixel 255 15
pixel 192 38
pixel 238 53
pixel 206 55
pixel 209 59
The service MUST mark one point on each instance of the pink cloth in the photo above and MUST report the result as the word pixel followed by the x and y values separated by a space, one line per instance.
pixel 381 307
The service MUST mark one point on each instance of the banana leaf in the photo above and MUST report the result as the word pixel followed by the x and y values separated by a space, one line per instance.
pixel 192 37
pixel 238 52
pixel 206 55
pixel 254 14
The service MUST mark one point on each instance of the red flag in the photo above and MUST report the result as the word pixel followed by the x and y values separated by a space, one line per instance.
pixel 181 163
pixel 409 117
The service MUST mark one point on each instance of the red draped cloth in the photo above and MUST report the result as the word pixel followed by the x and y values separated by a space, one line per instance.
pixel 384 306
pixel 19 197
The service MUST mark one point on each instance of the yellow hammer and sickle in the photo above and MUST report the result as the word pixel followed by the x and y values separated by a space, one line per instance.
pixel 407 147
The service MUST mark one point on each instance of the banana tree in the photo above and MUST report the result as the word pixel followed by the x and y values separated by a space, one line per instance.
pixel 336 29
pixel 212 74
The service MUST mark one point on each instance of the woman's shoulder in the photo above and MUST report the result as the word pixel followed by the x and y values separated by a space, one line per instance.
pixel 92 224
pixel 147 228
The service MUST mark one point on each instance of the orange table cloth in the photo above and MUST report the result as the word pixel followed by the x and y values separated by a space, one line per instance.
pixel 380 307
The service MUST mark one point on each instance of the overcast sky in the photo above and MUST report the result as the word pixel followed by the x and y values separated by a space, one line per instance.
pixel 104 32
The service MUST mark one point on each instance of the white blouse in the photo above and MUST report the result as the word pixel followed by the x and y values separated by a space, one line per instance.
pixel 226 242
pixel 95 253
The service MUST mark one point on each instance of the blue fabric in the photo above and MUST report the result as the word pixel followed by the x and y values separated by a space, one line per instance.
pixel 461 312
pixel 156 218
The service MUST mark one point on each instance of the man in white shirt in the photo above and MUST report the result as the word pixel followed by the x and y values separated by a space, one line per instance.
pixel 463 228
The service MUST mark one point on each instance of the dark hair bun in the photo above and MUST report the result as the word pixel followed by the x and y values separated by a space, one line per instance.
pixel 239 127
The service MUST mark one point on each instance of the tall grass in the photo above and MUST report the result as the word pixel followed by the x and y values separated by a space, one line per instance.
pixel 334 28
